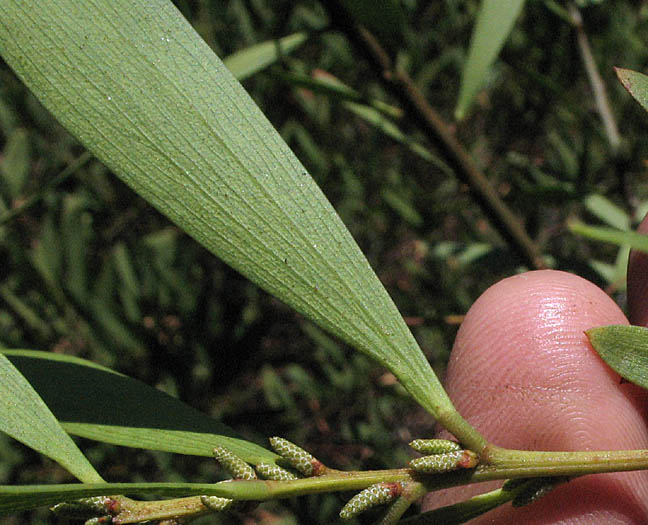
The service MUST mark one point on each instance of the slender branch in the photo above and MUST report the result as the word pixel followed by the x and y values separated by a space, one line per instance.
pixel 71 169
pixel 438 132
pixel 497 464
pixel 620 155
pixel 595 80
pixel 411 493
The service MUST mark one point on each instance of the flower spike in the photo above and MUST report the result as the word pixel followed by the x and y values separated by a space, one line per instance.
pixel 86 508
pixel 378 494
pixel 236 467
pixel 216 504
pixel 439 463
pixel 274 472
pixel 298 458
pixel 434 446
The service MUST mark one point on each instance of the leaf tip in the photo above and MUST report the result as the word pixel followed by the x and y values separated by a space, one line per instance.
pixel 623 75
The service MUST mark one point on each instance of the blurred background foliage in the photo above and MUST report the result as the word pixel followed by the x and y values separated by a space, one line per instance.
pixel 92 270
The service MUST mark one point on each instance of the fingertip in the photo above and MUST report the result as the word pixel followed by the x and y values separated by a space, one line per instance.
pixel 524 342
pixel 523 373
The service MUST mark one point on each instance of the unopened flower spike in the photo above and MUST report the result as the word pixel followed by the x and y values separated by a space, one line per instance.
pixel 439 463
pixel 236 467
pixel 215 503
pixel 274 472
pixel 298 458
pixel 104 520
pixel 84 508
pixel 434 446
pixel 379 494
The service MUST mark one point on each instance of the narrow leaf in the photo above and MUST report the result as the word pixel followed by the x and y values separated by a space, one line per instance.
pixel 138 87
pixel 461 512
pixel 494 23
pixel 625 349
pixel 15 163
pixel 17 498
pixel 97 403
pixel 26 418
pixel 608 212
pixel 247 62
pixel 391 129
pixel 636 241
pixel 636 84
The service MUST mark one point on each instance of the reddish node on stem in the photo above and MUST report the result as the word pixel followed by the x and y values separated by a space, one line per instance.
pixel 395 489
pixel 112 505
pixel 318 467
pixel 468 460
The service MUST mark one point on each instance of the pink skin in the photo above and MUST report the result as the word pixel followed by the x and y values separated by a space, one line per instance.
pixel 524 374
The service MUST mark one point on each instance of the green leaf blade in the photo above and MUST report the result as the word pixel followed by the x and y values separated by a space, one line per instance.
pixel 97 403
pixel 245 63
pixel 635 240
pixel 25 497
pixel 625 349
pixel 26 418
pixel 636 84
pixel 495 21
pixel 135 83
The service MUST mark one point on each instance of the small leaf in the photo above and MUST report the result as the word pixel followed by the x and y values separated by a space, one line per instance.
pixel 461 512
pixel 636 84
pixel 15 163
pixel 636 241
pixel 608 212
pixel 494 23
pixel 625 349
pixel 247 62
pixel 96 403
pixel 26 418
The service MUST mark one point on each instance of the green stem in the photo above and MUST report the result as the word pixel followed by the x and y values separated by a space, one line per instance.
pixel 411 492
pixel 500 462
pixel 465 510
pixel 71 169
pixel 465 433
pixel 497 463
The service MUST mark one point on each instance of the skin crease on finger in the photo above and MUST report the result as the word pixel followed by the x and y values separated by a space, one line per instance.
pixel 523 373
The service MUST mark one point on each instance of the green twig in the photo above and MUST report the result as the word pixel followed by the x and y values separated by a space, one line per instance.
pixel 498 464
pixel 595 80
pixel 620 156
pixel 411 493
pixel 71 169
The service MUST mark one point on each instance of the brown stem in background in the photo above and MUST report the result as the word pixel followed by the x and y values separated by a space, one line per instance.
pixel 438 132
pixel 603 107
